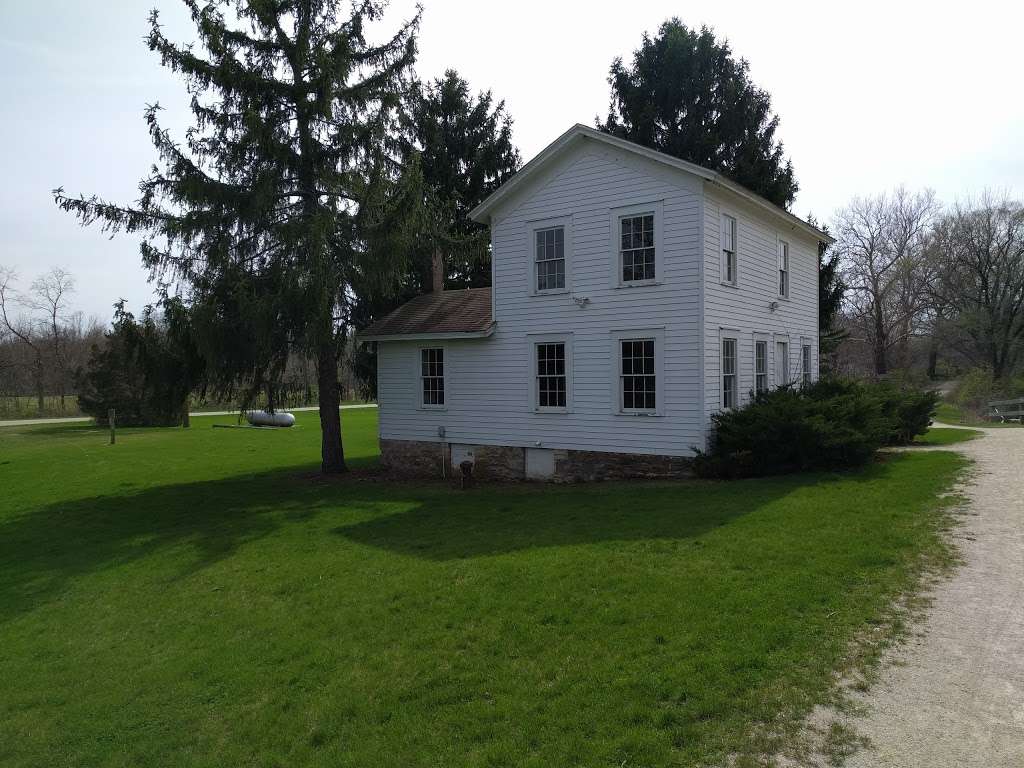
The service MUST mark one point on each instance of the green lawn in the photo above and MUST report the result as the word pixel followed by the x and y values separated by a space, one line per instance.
pixel 199 598
pixel 952 414
pixel 947 436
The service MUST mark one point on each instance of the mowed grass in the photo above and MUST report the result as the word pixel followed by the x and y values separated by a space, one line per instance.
pixel 199 598
pixel 947 436
pixel 949 413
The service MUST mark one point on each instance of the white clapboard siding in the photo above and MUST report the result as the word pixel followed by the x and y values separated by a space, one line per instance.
pixel 489 380
pixel 743 311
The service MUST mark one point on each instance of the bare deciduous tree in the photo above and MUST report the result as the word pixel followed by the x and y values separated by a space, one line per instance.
pixel 978 281
pixel 882 247
pixel 48 298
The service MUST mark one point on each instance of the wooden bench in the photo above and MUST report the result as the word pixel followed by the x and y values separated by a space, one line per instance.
pixel 1007 410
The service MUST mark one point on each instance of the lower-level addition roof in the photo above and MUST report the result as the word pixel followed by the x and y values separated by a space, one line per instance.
pixel 464 313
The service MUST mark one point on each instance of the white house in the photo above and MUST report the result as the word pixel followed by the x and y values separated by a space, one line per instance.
pixel 633 295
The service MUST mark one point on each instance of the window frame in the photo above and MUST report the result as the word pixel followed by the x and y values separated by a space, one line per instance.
pixel 617 336
pixel 726 338
pixel 806 361
pixel 534 340
pixel 783 249
pixel 760 339
pixel 723 267
pixel 532 227
pixel 445 377
pixel 653 207
pixel 780 339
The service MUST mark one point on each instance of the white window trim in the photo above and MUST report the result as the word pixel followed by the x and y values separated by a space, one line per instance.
pixel 722 270
pixel 619 335
pixel 533 339
pixel 727 334
pixel 657 207
pixel 776 338
pixel 779 240
pixel 531 247
pixel 807 341
pixel 767 340
pixel 419 377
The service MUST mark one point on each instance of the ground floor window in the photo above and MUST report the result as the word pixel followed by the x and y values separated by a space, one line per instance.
pixel 729 384
pixel 637 375
pixel 760 367
pixel 432 375
pixel 551 376
pixel 781 363
pixel 806 363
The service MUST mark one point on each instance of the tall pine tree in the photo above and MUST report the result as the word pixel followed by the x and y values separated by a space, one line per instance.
pixel 686 95
pixel 291 171
pixel 462 144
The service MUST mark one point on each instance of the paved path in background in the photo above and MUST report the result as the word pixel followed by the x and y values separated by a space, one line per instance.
pixel 74 419
pixel 955 695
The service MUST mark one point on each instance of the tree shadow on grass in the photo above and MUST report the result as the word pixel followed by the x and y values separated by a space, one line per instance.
pixel 43 550
pixel 506 520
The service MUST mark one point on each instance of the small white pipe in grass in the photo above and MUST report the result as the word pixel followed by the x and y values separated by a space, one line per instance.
pixel 264 419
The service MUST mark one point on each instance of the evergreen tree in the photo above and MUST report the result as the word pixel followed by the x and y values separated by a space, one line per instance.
pixel 465 149
pixel 145 370
pixel 686 95
pixel 831 290
pixel 463 146
pixel 288 176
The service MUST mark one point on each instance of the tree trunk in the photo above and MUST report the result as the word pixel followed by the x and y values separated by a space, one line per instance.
pixel 933 363
pixel 331 451
pixel 437 271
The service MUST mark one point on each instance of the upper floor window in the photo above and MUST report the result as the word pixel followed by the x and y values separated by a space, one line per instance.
pixel 729 378
pixel 552 389
pixel 783 268
pixel 636 247
pixel 728 249
pixel 549 258
pixel 432 376
pixel 760 367
pixel 638 379
pixel 806 361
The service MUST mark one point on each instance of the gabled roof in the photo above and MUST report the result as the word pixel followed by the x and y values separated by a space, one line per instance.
pixel 459 314
pixel 555 149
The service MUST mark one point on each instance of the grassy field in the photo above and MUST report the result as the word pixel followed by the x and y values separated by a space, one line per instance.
pixel 947 436
pixel 952 414
pixel 200 598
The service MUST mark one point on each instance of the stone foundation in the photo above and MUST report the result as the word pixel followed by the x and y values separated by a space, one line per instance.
pixel 434 460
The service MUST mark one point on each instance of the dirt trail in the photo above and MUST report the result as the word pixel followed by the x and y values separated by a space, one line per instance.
pixel 955 694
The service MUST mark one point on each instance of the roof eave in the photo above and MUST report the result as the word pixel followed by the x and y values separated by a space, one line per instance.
pixel 483 211
pixel 434 336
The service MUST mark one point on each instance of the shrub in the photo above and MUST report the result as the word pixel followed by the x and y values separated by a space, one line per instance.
pixel 831 424
pixel 908 411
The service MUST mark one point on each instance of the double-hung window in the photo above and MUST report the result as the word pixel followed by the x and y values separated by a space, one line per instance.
pixel 638 379
pixel 432 377
pixel 637 247
pixel 806 362
pixel 549 259
pixel 728 249
pixel 552 383
pixel 781 363
pixel 730 384
pixel 783 269
pixel 760 367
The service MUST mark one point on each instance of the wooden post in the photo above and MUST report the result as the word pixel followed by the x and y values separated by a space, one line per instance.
pixel 113 429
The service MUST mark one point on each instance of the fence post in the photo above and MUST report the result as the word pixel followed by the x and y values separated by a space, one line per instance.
pixel 113 429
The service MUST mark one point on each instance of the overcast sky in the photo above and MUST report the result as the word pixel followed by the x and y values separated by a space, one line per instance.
pixel 870 95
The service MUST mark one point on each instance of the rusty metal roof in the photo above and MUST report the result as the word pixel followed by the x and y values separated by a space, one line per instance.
pixel 463 313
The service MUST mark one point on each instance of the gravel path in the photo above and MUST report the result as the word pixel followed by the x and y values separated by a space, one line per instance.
pixel 955 694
